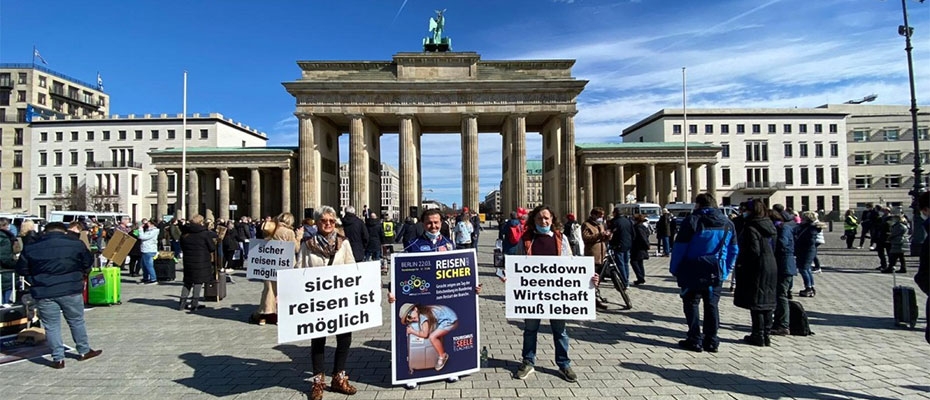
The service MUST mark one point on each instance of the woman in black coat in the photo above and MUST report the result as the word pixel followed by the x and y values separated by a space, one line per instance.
pixel 640 249
pixel 197 244
pixel 757 272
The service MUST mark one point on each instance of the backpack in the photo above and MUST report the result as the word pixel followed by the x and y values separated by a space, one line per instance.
pixel 514 234
pixel 798 324
pixel 704 271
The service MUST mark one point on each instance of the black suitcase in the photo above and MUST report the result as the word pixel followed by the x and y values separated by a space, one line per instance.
pixel 905 304
pixel 13 320
pixel 216 290
pixel 165 269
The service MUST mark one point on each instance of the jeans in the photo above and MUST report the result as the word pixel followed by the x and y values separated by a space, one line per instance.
pixel 7 296
pixel 622 258
pixel 782 314
pixel 666 245
pixel 148 267
pixel 559 336
pixel 803 262
pixel 176 248
pixel 691 299
pixel 373 255
pixel 50 312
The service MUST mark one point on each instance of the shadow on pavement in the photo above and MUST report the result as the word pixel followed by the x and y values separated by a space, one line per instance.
pixel 738 385
pixel 851 321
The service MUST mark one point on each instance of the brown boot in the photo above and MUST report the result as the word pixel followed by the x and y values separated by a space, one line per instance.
pixel 340 384
pixel 319 385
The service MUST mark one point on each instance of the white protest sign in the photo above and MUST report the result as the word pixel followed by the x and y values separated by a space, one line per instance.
pixel 549 287
pixel 325 301
pixel 267 257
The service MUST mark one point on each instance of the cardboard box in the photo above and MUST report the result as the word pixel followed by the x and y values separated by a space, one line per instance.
pixel 118 247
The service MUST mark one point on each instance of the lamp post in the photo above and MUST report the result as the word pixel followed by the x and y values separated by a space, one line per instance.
pixel 918 234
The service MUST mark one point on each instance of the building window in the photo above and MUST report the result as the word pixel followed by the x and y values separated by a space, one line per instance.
pixel 74 157
pixel 74 136
pixel 725 150
pixel 43 158
pixel 836 203
pixel 106 135
pixel 789 150
pixel 90 156
pixel 58 159
pixel 818 149
pixel 789 176
pixel 42 83
pixel 17 202
pixel 821 203
pixel 18 159
pixel 42 99
pixel 891 135
pixel 834 175
pixel 43 183
pixel 724 129
pixel 922 134
pixel 787 128
pixel 90 136
pixel 805 203
pixel 708 129
pixel 756 128
pixel 22 78
pixel 74 182
pixel 725 176
pixel 772 128
pixel 154 183
pixel 818 175
pixel 803 150
pixel 18 137
pixel 171 183
pixel 122 135
pixel 834 149
pixel 757 177
pixel 818 128
pixel 59 136
pixel 757 151
pixel 740 129
pixel 21 96
pixel 892 158
pixel 188 134
pixel 833 128
pixel 692 129
pixel 805 178
pixel 925 157
pixel 154 134
pixel 43 136
pixel 891 181
pixel 138 135
pixel 171 133
pixel 789 202
pixel 861 158
pixel 17 181
pixel 57 185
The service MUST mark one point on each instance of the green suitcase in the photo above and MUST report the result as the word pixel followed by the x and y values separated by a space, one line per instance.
pixel 103 286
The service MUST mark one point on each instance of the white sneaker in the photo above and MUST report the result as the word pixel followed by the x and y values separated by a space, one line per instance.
pixel 6 305
pixel 452 379
pixel 411 386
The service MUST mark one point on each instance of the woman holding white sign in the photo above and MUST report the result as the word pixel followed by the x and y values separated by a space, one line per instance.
pixel 328 247
pixel 284 231
pixel 543 237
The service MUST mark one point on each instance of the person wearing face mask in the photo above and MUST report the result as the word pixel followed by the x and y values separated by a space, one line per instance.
pixel 923 269
pixel 511 232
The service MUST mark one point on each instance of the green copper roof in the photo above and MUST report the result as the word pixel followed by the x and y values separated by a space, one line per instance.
pixel 644 145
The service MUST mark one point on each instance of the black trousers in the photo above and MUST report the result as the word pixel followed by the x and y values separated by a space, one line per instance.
pixel 761 322
pixel 318 346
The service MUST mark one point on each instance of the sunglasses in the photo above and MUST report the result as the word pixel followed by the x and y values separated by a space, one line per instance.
pixel 328 221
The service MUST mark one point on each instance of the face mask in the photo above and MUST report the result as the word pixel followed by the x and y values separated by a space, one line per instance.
pixel 600 220
pixel 745 215
pixel 925 215
pixel 432 236
pixel 543 229
pixel 514 222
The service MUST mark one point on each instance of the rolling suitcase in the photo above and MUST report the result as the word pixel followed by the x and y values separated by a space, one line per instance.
pixel 103 286
pixel 165 269
pixel 420 352
pixel 216 290
pixel 905 303
pixel 13 320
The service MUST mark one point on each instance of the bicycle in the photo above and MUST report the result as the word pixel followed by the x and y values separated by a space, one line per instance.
pixel 610 269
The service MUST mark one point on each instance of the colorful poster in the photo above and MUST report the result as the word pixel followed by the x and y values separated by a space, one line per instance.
pixel 549 287
pixel 435 316
pixel 326 301
pixel 267 257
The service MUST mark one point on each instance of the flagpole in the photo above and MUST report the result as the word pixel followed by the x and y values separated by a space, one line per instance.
pixel 686 130
pixel 184 196
pixel 33 56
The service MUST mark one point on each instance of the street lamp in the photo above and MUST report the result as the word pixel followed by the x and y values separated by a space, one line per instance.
pixel 918 234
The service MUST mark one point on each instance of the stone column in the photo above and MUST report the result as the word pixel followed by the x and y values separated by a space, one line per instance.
pixel 358 163
pixel 519 160
pixel 470 162
pixel 507 203
pixel 650 183
pixel 695 181
pixel 408 165
pixel 193 190
pixel 222 205
pixel 307 167
pixel 712 179
pixel 286 189
pixel 569 174
pixel 680 177
pixel 588 188
pixel 255 186
pixel 162 200
pixel 620 193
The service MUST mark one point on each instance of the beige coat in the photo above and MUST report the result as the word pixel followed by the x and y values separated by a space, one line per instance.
pixel 595 244
pixel 306 259
pixel 269 301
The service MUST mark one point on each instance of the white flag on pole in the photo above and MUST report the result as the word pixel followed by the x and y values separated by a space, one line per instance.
pixel 39 56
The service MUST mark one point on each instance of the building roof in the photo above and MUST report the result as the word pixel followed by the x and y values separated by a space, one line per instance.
pixel 219 150
pixel 734 112
pixel 534 166
pixel 148 118
pixel 643 146
pixel 52 73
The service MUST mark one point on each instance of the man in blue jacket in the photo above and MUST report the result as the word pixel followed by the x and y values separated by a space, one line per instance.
pixel 55 267
pixel 703 256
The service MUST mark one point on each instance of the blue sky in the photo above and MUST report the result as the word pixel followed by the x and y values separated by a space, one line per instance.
pixel 738 53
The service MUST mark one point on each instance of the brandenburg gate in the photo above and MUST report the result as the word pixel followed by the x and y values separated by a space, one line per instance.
pixel 442 92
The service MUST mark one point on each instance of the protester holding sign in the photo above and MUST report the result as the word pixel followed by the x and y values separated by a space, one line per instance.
pixel 431 239
pixel 327 247
pixel 544 237
pixel 268 306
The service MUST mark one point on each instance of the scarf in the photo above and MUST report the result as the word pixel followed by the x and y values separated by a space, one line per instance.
pixel 324 246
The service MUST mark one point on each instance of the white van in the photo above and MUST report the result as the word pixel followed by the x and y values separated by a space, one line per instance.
pixel 679 211
pixel 102 217
pixel 17 220
pixel 652 211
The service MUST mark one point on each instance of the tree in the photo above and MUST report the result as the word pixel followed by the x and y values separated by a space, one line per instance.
pixel 79 198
